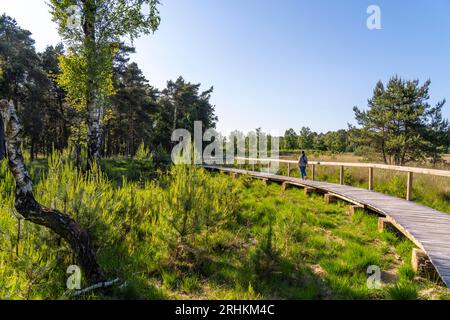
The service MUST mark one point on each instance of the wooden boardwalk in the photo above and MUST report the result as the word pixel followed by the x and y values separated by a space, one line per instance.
pixel 429 229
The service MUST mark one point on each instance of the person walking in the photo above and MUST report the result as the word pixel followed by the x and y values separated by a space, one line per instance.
pixel 303 163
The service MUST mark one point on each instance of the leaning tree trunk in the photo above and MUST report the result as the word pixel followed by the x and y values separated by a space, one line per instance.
pixel 32 211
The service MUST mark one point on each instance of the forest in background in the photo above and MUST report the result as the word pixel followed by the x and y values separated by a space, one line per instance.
pixel 137 113
pixel 399 127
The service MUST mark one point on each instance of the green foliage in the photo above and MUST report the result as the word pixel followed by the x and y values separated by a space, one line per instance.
pixel 62 92
pixel 136 222
pixel 170 280
pixel 400 124
pixel 75 79
pixel 117 218
pixel 290 141
pixel 194 234
pixel 113 19
pixel 92 31
pixel 403 291
pixel 195 207
pixel 143 152
pixel 131 117
pixel 190 284
pixel 306 139
pixel 181 103
pixel 18 50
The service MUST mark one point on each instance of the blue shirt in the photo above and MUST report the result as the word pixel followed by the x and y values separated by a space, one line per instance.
pixel 303 161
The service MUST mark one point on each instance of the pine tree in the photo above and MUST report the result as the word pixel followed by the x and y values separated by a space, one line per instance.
pixel 400 123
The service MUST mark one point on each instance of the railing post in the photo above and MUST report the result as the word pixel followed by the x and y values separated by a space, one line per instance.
pixel 409 186
pixel 289 169
pixel 341 175
pixel 253 165
pixel 313 172
pixel 370 178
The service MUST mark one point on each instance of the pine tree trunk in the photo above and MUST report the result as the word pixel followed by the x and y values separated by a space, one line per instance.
pixel 32 151
pixel 25 203
pixel 2 141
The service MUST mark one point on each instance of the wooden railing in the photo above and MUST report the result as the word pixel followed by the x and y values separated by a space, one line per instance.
pixel 342 165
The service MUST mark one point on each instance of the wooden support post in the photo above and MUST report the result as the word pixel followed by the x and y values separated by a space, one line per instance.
pixel 309 191
pixel 313 172
pixel 330 198
pixel 385 225
pixel 341 175
pixel 235 175
pixel 353 209
pixel 285 185
pixel 409 186
pixel 253 165
pixel 371 179
pixel 289 169
pixel 422 265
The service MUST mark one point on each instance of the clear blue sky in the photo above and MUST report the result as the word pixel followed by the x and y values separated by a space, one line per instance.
pixel 278 64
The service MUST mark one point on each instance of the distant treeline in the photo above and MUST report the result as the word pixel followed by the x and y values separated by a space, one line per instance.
pixel 334 141
pixel 398 126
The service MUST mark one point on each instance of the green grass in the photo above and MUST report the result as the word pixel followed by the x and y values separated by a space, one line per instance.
pixel 403 291
pixel 189 234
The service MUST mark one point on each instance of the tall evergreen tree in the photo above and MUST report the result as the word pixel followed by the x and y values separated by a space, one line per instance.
pixel 397 122
pixel 180 105
pixel 130 121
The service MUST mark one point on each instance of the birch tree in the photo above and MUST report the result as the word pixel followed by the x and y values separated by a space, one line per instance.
pixel 26 205
pixel 92 31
